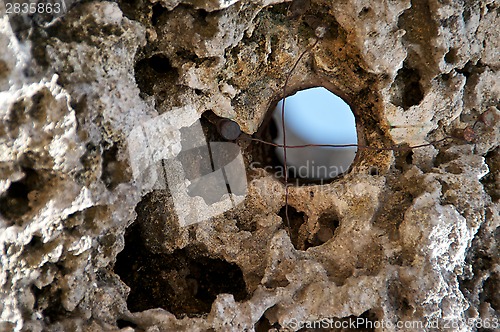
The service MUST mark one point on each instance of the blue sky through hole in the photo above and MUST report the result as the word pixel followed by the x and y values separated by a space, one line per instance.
pixel 317 116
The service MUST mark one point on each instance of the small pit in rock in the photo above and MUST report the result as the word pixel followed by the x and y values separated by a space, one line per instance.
pixel 328 222
pixel 15 203
pixel 185 282
pixel 22 196
pixel 114 170
pixel 49 303
pixel 156 70
pixel 452 56
pixel 157 11
pixel 406 89
pixel 296 219
pixel 491 180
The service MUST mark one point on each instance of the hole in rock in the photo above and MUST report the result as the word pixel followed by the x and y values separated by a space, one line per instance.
pixel 36 243
pixel 132 9
pixel 122 323
pixel 364 11
pixel 406 89
pixel 403 160
pixel 409 158
pixel 185 282
pixel 452 56
pixel 14 203
pixel 49 303
pixel 154 71
pixel 466 14
pixel 263 325
pixel 491 181
pixel 313 117
pixel 296 219
pixel 114 170
pixel 160 64
pixel 157 11
pixel 328 222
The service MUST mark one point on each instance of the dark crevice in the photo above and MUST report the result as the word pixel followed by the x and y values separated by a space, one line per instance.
pixel 187 55
pixel 160 64
pixel 155 70
pixel 491 293
pixel 467 70
pixel 409 157
pixel 466 15
pixel 21 25
pixel 296 220
pixel 185 282
pixel 481 257
pixel 364 12
pixel 452 56
pixel 264 325
pixel 16 202
pixel 114 171
pixel 48 300
pixel 446 77
pixel 403 160
pixel 491 181
pixel 406 89
pixel 122 323
pixel 35 244
pixel 133 9
pixel 491 6
pixel 157 11
pixel 328 223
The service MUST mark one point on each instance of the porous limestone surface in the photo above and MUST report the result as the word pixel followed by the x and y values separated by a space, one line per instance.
pixel 96 101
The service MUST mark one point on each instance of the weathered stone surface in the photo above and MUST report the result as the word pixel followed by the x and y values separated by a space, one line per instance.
pixel 90 236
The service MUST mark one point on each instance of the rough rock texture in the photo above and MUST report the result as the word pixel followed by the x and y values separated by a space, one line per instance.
pixel 404 236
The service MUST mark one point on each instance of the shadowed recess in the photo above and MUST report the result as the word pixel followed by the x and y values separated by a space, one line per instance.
pixel 154 70
pixel 23 196
pixel 185 282
pixel 296 220
pixel 328 222
pixel 406 90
